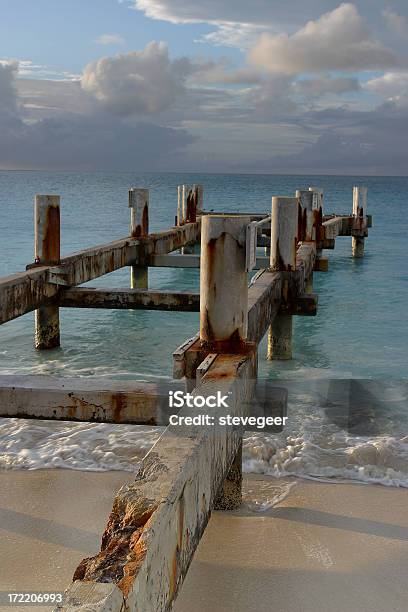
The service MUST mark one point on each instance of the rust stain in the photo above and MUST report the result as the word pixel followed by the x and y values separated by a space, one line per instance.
pixel 174 574
pixel 51 239
pixel 118 405
pixel 123 549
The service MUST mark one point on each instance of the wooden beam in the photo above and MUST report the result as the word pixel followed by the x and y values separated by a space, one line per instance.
pixel 156 522
pixel 193 261
pixel 26 291
pixel 131 299
pixel 83 399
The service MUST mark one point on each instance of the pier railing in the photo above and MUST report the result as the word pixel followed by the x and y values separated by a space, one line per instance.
pixel 156 522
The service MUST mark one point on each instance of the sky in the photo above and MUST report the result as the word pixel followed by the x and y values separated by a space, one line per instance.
pixel 301 86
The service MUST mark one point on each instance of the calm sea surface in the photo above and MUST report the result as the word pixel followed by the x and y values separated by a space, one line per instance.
pixel 361 330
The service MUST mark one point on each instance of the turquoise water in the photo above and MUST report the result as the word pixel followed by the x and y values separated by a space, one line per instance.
pixel 360 330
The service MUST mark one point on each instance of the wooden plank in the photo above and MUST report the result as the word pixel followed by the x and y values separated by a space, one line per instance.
pixel 82 399
pixel 133 299
pixel 23 292
pixel 264 298
pixel 26 291
pixel 156 522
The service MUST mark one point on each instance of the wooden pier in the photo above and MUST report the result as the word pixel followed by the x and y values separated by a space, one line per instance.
pixel 156 523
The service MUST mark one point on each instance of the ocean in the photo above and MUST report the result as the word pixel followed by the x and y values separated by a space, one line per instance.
pixel 360 331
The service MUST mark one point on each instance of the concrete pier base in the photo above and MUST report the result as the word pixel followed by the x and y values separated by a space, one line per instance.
pixel 139 277
pixel 47 329
pixel 357 246
pixel 280 338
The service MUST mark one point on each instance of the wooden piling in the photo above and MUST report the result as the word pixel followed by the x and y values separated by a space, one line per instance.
pixel 47 252
pixel 284 231
pixel 308 231
pixel 359 213
pixel 223 283
pixel 224 312
pixel 139 228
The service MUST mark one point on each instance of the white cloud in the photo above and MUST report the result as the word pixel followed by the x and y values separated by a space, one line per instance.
pixel 397 23
pixel 145 81
pixel 338 40
pixel 92 140
pixel 392 86
pixel 110 39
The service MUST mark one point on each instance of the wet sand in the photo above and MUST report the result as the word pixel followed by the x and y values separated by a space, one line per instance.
pixel 323 547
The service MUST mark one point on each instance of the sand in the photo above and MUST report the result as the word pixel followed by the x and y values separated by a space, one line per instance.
pixel 325 547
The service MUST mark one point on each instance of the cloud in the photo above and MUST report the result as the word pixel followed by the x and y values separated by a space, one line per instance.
pixel 338 40
pixel 326 85
pixel 392 86
pixel 351 142
pixel 110 39
pixel 145 81
pixel 397 23
pixel 8 71
pixel 92 140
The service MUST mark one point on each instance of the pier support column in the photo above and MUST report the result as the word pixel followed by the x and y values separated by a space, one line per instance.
pixel 308 231
pixel 284 231
pixel 224 311
pixel 139 227
pixel 317 213
pixel 47 252
pixel 359 212
pixel 189 205
pixel 223 283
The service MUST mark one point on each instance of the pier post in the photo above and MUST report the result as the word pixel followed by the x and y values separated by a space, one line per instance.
pixel 47 252
pixel 359 213
pixel 308 230
pixel 223 283
pixel 284 231
pixel 189 205
pixel 224 312
pixel 139 227
pixel 317 213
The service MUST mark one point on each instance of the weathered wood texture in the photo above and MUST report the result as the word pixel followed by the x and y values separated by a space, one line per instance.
pixel 93 399
pixel 359 230
pixel 131 299
pixel 284 240
pixel 24 292
pixel 47 252
pixel 223 282
pixel 189 203
pixel 156 523
pixel 139 227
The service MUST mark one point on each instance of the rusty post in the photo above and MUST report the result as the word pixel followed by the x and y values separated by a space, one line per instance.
pixel 284 232
pixel 359 214
pixel 308 229
pixel 223 283
pixel 224 311
pixel 47 252
pixel 317 213
pixel 139 228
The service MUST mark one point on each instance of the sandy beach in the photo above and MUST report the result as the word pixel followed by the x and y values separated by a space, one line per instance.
pixel 324 546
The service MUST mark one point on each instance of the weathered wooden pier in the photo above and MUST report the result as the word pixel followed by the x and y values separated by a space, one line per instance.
pixel 156 522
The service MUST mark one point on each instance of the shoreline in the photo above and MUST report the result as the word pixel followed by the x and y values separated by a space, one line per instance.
pixel 317 541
